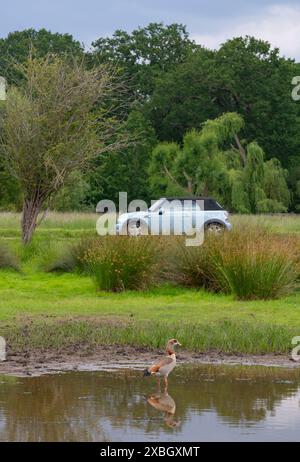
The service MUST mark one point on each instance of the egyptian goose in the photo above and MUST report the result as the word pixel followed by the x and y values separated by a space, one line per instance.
pixel 165 403
pixel 163 367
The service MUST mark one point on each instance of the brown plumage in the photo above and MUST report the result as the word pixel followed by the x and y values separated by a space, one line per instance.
pixel 163 367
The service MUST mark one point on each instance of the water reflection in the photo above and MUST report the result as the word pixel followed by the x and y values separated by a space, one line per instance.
pixel 203 403
pixel 164 403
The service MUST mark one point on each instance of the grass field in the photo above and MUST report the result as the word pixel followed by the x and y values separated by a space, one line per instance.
pixel 67 225
pixel 39 310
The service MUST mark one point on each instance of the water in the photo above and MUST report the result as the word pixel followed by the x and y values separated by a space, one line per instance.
pixel 203 403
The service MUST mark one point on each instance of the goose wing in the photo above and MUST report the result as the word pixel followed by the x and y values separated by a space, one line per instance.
pixel 159 364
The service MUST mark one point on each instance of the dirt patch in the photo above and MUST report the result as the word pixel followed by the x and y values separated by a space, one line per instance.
pixel 101 358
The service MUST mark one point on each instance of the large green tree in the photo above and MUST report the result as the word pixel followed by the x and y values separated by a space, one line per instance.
pixel 246 76
pixel 18 46
pixel 213 161
pixel 145 53
pixel 125 170
pixel 53 125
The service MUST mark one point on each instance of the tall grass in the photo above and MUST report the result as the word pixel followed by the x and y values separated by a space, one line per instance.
pixel 7 259
pixel 254 261
pixel 64 225
pixel 226 336
pixel 253 266
pixel 249 263
pixel 68 258
pixel 121 262
pixel 274 223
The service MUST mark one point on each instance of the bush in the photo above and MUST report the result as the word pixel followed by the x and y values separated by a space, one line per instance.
pixel 251 264
pixel 120 262
pixel 7 259
pixel 195 266
pixel 254 266
pixel 67 259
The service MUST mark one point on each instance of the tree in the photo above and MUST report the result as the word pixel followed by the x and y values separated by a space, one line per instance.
pixel 255 81
pixel 73 193
pixel 199 167
pixel 126 170
pixel 49 128
pixel 146 53
pixel 183 97
pixel 209 164
pixel 19 45
pixel 246 76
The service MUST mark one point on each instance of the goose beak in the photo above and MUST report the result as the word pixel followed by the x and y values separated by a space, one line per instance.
pixel 179 344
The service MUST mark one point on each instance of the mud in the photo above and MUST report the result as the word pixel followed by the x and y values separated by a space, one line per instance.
pixel 107 358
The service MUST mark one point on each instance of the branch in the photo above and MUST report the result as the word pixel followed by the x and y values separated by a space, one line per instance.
pixel 241 150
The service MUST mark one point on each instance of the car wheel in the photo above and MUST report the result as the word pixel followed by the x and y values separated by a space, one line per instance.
pixel 215 228
pixel 136 228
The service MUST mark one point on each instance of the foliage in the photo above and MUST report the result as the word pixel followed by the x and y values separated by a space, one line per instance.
pixel 49 125
pixel 245 76
pixel 7 259
pixel 17 47
pixel 174 87
pixel 145 53
pixel 73 193
pixel 113 171
pixel 120 262
pixel 246 263
pixel 238 177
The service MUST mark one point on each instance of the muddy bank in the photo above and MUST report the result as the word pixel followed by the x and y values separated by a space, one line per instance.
pixel 39 362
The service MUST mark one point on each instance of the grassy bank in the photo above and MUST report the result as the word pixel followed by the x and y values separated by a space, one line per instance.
pixel 74 224
pixel 39 310
pixel 50 310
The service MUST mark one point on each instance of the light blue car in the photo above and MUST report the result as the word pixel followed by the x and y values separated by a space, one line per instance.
pixel 171 215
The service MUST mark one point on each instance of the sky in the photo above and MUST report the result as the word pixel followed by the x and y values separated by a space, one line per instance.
pixel 209 22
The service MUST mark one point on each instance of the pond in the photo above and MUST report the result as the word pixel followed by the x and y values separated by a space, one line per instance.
pixel 203 403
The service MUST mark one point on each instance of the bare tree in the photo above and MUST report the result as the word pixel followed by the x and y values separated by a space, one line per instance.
pixel 55 124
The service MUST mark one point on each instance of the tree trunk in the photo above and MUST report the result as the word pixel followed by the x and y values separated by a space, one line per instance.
pixel 241 150
pixel 31 209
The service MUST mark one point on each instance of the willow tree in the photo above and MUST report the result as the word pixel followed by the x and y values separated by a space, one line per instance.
pixel 214 161
pixel 53 125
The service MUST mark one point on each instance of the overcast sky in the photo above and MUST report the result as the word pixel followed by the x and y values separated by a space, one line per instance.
pixel 210 22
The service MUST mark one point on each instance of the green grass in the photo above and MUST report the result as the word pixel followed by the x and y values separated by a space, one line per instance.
pixel 39 310
pixel 223 336
pixel 276 223
pixel 39 294
pixel 64 225
pixel 74 224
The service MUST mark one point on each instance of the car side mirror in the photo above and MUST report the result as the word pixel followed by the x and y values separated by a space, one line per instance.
pixel 161 212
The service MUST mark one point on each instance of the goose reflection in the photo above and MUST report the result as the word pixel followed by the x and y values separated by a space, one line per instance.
pixel 163 402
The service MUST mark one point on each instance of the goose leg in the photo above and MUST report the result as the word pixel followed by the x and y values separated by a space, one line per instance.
pixel 166 381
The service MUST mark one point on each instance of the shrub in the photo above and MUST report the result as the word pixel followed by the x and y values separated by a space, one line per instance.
pixel 120 262
pixel 255 266
pixel 7 259
pixel 68 259
pixel 249 263
pixel 195 266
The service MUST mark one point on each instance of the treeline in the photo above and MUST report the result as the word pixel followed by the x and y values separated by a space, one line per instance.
pixel 201 122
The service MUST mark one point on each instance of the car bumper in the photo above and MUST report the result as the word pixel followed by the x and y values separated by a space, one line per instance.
pixel 119 227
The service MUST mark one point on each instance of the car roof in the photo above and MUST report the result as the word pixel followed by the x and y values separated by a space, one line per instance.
pixel 209 202
pixel 189 198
